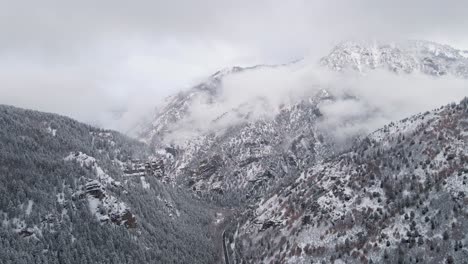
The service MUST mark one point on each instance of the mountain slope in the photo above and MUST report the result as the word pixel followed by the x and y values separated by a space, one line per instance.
pixel 66 199
pixel 263 173
pixel 289 157
pixel 258 144
pixel 398 194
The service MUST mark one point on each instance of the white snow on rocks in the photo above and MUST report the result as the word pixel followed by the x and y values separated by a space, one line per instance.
pixel 90 162
pixel 29 207
pixel 144 183
pixel 52 131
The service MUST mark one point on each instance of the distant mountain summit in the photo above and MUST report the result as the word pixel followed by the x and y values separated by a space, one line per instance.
pixel 363 56
pixel 241 150
pixel 400 57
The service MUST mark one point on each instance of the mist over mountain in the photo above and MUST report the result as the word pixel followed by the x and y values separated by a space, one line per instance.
pixel 233 132
pixel 388 88
pixel 88 60
pixel 262 164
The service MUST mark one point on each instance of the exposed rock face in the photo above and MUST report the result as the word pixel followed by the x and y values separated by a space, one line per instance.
pixel 102 204
pixel 145 168
pixel 94 189
pixel 135 168
pixel 126 218
pixel 27 232
pixel 155 168
pixel 105 206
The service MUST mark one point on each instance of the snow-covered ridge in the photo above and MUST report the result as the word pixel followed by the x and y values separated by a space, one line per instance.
pixel 403 188
pixel 401 57
pixel 90 162
pixel 179 116
pixel 177 107
pixel 259 149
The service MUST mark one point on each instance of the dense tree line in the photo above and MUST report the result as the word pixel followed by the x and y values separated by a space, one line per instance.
pixel 33 146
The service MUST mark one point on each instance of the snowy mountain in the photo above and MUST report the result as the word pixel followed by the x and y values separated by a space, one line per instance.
pixel 249 153
pixel 397 195
pixel 172 117
pixel 280 156
pixel 179 107
pixel 264 164
pixel 258 143
pixel 403 57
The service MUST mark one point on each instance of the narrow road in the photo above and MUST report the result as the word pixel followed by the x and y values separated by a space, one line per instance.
pixel 222 220
pixel 226 255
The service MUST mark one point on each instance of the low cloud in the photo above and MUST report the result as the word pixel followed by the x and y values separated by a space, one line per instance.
pixel 105 88
pixel 382 97
pixel 361 104
pixel 99 61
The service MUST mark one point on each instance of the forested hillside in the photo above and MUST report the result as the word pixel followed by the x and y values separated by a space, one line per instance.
pixel 398 195
pixel 65 199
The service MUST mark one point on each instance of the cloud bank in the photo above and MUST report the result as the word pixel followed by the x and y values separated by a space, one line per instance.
pixel 383 97
pixel 361 104
pixel 99 60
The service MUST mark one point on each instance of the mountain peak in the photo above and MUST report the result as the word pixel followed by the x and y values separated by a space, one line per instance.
pixel 401 57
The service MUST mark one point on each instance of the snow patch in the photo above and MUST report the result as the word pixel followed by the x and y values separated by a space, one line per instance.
pixel 464 53
pixel 52 131
pixel 91 163
pixel 29 207
pixel 144 183
pixel 60 198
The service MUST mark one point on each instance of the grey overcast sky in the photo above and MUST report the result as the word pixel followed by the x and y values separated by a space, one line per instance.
pixel 88 59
